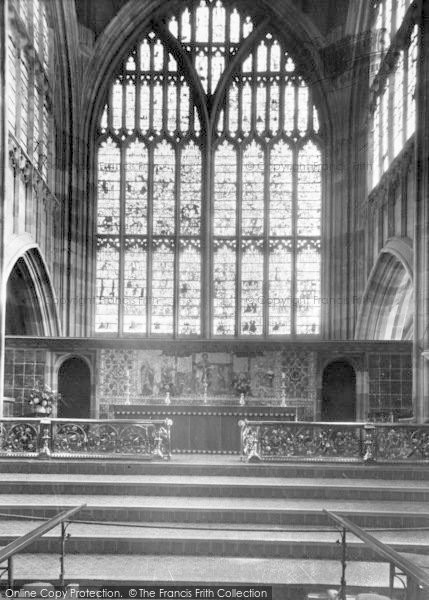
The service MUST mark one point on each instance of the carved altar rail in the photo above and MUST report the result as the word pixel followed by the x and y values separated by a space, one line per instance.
pixel 85 438
pixel 338 442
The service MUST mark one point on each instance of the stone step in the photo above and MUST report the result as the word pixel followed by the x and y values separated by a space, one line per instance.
pixel 225 486
pixel 291 579
pixel 193 465
pixel 190 539
pixel 366 513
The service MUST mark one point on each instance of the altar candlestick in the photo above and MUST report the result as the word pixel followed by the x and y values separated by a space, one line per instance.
pixel 283 389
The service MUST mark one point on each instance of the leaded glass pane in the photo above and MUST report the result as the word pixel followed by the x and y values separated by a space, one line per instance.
pixel 252 278
pixel 201 65
pixel 145 56
pixel 274 108
pixel 279 300
pixel 164 172
pixel 45 38
pixel 157 107
pixel 23 92
pixel 189 287
pixel 135 286
pixel 117 105
pixel 261 106
pixel 309 191
pixel 234 27
pixel 376 145
pixel 37 25
pixel 225 191
pixel 253 191
pixel 281 164
pixel 11 89
pixel 172 108
pixel 158 56
pixel 108 204
pixel 275 57
pixel 162 287
pixel 398 106
pixel 302 109
pixel 233 109
pixel 218 65
pixel 246 108
pixel 144 107
pixel 224 263
pixel 44 155
pixel 184 107
pixel 190 190
pixel 219 23
pixel 308 288
pixel 202 23
pixel 385 130
pixel 412 80
pixel 262 58
pixel 37 101
pixel 107 269
pixel 136 189
pixel 289 108
pixel 130 105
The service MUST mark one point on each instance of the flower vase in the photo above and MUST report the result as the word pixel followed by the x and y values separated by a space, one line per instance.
pixel 39 410
pixel 242 400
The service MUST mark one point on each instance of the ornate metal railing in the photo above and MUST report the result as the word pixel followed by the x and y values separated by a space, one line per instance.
pixel 343 442
pixel 85 438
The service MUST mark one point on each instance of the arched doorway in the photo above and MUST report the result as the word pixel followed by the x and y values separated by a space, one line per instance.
pixel 74 385
pixel 339 392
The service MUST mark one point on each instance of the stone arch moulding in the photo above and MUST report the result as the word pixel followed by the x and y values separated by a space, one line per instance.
pixel 37 274
pixel 386 308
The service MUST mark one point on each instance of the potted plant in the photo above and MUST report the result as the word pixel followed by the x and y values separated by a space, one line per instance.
pixel 42 400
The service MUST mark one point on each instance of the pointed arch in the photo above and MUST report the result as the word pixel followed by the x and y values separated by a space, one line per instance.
pixel 31 304
pixel 386 311
pixel 233 254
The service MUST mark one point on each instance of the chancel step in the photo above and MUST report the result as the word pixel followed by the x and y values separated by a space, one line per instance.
pixel 214 520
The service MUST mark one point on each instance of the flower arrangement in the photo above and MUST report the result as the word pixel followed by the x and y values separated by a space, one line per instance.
pixel 42 399
pixel 241 384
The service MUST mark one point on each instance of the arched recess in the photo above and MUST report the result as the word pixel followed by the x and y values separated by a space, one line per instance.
pixel 74 387
pixel 338 391
pixel 386 311
pixel 31 307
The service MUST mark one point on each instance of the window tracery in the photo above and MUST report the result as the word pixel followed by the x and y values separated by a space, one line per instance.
pixel 394 77
pixel 248 239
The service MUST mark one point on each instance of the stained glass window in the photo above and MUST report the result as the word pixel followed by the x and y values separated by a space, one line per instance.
pixel 29 101
pixel 234 222
pixel 393 86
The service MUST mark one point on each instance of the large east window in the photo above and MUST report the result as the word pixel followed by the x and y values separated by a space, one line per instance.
pixel 209 184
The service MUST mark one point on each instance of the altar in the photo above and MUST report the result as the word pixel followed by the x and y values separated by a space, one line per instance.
pixel 206 428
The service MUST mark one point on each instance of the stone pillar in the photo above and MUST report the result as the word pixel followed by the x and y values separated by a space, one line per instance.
pixel 421 239
pixel 3 166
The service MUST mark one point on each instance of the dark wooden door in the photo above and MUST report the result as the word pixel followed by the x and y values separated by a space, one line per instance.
pixel 339 392
pixel 74 385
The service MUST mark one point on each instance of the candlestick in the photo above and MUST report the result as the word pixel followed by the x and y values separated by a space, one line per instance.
pixel 283 389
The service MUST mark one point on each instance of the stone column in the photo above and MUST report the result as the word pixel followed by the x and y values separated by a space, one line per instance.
pixel 421 239
pixel 3 166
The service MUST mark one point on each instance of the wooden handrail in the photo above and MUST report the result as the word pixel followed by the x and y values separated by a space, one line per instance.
pixel 420 576
pixel 25 540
